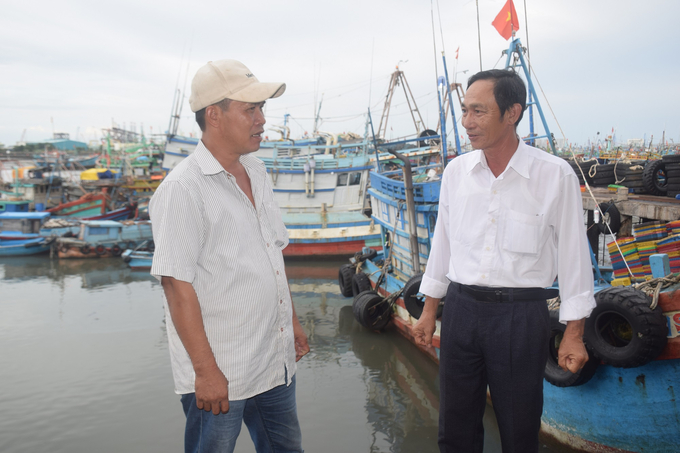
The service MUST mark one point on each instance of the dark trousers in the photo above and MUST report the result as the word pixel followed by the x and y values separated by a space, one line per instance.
pixel 502 345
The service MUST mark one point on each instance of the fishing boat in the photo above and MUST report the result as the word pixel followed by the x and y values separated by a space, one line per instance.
pixel 90 204
pixel 23 247
pixel 104 238
pixel 320 190
pixel 622 401
pixel 138 259
pixel 21 225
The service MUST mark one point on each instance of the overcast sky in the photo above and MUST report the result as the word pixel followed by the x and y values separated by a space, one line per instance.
pixel 79 66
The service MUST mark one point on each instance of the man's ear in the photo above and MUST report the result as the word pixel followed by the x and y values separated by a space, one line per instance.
pixel 513 113
pixel 212 115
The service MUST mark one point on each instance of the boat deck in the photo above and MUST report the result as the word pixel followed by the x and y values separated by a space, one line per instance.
pixel 630 205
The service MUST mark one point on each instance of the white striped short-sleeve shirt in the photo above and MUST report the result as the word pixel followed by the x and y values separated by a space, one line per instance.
pixel 208 233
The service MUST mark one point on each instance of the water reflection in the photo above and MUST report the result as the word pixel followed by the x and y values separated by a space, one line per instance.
pixel 93 272
pixel 397 385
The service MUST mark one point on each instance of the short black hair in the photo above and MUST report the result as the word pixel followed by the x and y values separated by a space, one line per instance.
pixel 200 115
pixel 508 89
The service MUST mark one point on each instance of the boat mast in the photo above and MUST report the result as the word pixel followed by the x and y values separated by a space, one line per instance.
pixel 515 59
pixel 397 78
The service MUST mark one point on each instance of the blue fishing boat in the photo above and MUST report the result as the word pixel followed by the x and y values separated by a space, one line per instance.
pixel 320 190
pixel 622 401
pixel 23 247
pixel 138 259
pixel 104 238
pixel 18 225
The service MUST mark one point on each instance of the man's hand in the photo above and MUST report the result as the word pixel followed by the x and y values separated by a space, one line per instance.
pixel 572 354
pixel 426 325
pixel 301 345
pixel 212 391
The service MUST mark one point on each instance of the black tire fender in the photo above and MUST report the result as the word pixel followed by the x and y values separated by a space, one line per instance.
pixel 360 283
pixel 371 310
pixel 612 216
pixel 655 177
pixel 413 300
pixel 116 250
pixel 553 372
pixel 100 249
pixel 623 330
pixel 345 274
pixel 366 256
pixel 85 249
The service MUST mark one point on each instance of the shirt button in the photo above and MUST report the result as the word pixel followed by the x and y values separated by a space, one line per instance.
pixel 493 220
pixel 267 244
pixel 488 248
pixel 483 276
pixel 280 301
pixel 281 329
pixel 495 192
pixel 277 272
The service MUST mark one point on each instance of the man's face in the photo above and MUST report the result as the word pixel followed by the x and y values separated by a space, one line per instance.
pixel 482 118
pixel 241 126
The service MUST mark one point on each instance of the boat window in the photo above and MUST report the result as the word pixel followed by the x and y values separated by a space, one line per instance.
pixel 342 179
pixel 98 230
pixel 355 178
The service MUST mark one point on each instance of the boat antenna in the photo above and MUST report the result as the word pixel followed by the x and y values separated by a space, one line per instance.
pixel 370 83
pixel 186 76
pixel 434 41
pixel 479 36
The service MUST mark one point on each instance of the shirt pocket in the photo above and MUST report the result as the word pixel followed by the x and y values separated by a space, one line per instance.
pixel 276 225
pixel 522 232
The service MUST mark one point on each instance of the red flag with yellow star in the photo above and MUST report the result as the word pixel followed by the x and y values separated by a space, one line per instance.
pixel 506 22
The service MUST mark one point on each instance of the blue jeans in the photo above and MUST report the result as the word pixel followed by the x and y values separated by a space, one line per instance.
pixel 271 418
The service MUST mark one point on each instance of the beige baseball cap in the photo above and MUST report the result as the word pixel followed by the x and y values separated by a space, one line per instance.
pixel 229 79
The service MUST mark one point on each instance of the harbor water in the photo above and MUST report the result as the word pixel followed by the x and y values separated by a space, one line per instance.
pixel 84 367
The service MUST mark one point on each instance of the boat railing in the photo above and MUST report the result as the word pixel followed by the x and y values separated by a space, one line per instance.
pixel 423 192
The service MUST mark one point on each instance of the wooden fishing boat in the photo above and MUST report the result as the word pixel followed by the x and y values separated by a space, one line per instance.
pixel 24 247
pixel 622 401
pixel 104 238
pixel 90 204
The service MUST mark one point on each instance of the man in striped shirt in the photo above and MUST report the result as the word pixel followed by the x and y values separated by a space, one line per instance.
pixel 233 333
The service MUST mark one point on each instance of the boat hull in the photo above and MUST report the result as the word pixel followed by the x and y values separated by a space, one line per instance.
pixel 327 248
pixel 618 410
pixel 24 247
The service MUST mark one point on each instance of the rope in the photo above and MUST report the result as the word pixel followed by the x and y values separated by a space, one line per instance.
pixel 590 192
pixel 653 287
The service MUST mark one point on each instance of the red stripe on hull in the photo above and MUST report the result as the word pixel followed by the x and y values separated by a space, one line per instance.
pixel 347 249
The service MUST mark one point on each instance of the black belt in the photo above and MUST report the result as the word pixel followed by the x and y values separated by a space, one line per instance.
pixel 489 294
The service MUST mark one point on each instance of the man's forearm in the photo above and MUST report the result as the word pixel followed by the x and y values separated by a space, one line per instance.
pixel 186 316
pixel 430 307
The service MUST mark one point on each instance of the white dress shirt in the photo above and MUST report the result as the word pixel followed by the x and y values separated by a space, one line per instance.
pixel 208 233
pixel 521 229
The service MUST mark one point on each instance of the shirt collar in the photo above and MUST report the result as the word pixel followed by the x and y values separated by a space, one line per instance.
pixel 519 161
pixel 210 166
pixel 206 161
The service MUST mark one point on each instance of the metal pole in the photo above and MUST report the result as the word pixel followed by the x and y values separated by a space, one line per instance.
pixel 453 114
pixel 410 210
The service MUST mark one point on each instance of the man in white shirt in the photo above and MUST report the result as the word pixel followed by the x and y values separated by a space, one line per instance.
pixel 510 220
pixel 233 333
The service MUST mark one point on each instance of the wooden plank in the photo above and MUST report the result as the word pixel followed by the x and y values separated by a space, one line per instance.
pixel 644 206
